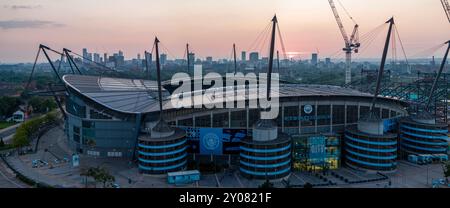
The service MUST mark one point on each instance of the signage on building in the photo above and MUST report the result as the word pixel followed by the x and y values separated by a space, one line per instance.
pixel 211 141
pixel 317 146
pixel 308 109
pixel 75 160
pixel 204 140
pixel 306 118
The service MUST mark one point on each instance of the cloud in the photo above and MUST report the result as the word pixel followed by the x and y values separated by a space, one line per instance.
pixel 16 24
pixel 17 7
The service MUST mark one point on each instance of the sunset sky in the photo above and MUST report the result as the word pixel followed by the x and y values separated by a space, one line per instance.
pixel 210 26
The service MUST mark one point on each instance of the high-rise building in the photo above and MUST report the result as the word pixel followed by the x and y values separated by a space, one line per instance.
pixel 85 53
pixel 243 56
pixel 148 58
pixel 89 56
pixel 328 61
pixel 138 56
pixel 209 59
pixel 254 57
pixel 119 59
pixel 105 57
pixel 96 57
pixel 314 59
pixel 191 58
pixel 163 58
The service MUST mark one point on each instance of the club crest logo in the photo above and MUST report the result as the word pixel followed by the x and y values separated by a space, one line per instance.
pixel 308 109
pixel 211 141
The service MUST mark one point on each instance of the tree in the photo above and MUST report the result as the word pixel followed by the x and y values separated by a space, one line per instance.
pixel 105 177
pixel 99 174
pixel 446 168
pixel 42 105
pixel 28 128
pixel 2 143
pixel 267 184
pixel 8 105
pixel 307 186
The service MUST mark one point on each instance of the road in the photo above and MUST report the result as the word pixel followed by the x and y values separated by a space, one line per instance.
pixel 7 133
pixel 8 179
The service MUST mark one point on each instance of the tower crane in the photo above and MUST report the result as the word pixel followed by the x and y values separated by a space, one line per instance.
pixel 351 43
pixel 446 6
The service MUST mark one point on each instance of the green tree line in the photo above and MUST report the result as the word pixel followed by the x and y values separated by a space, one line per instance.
pixel 26 129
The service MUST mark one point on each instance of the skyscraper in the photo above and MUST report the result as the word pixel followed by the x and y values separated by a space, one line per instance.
pixel 254 56
pixel 148 59
pixel 243 56
pixel 96 57
pixel 85 54
pixel 105 57
pixel 314 58
pixel 163 58
pixel 191 58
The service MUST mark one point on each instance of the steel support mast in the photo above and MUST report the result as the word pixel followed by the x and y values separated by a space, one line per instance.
pixel 383 61
pixel 433 88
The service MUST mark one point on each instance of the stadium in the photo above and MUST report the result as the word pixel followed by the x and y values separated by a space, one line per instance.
pixel 111 117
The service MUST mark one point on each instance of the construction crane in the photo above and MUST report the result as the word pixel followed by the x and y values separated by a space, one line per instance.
pixel 351 43
pixel 446 6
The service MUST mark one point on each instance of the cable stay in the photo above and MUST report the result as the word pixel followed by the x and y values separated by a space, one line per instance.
pixel 429 51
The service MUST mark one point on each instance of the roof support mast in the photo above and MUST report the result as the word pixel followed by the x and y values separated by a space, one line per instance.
pixel 433 88
pixel 383 61
pixel 272 49
pixel 158 74
pixel 234 56
pixel 187 56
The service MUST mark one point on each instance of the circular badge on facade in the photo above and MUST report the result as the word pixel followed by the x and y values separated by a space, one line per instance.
pixel 308 109
pixel 211 141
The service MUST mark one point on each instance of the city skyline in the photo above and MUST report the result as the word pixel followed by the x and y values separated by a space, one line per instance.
pixel 210 27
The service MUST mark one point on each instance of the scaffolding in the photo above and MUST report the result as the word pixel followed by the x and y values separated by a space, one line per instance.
pixel 415 93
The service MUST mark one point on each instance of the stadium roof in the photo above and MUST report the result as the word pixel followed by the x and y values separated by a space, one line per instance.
pixel 140 96
pixel 123 95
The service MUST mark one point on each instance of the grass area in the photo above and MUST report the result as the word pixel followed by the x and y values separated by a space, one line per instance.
pixel 4 124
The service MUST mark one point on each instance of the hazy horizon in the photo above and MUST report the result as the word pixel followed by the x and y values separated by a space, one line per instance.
pixel 210 27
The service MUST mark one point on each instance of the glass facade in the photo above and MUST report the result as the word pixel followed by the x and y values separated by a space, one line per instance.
pixel 92 131
pixel 293 119
pixel 316 152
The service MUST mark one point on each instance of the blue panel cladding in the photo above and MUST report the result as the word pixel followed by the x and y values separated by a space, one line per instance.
pixel 266 160
pixel 420 138
pixel 370 152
